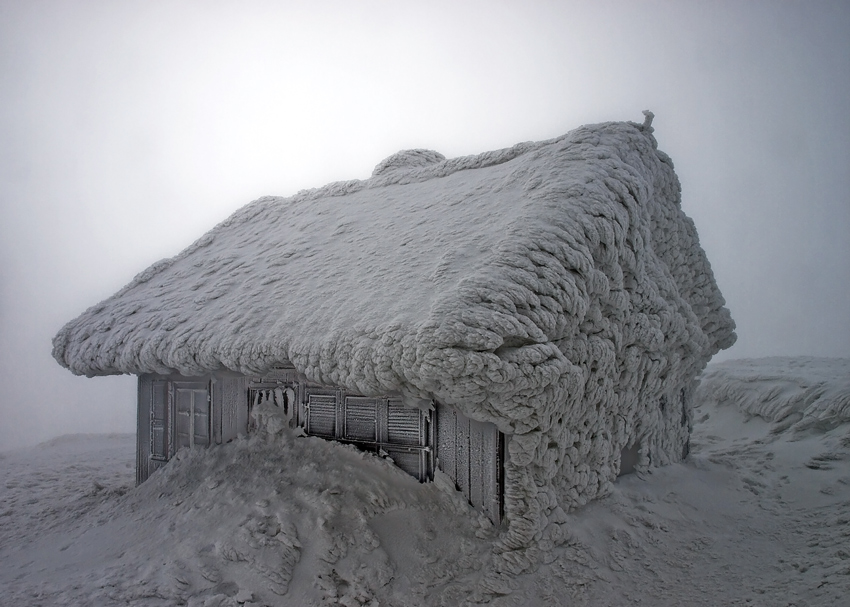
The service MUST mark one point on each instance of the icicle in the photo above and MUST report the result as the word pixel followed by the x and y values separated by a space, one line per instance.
pixel 282 402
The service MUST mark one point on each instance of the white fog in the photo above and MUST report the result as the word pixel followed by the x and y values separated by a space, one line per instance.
pixel 129 130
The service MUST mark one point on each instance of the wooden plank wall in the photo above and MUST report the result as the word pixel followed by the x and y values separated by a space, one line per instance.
pixel 471 454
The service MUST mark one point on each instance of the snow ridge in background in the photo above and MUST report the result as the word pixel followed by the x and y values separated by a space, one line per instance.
pixel 798 392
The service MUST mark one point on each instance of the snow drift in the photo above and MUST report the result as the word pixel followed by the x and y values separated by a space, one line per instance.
pixel 555 289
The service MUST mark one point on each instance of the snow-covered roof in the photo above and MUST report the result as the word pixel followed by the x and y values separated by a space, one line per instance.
pixel 457 279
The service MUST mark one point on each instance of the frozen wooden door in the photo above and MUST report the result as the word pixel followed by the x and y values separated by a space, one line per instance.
pixel 160 449
pixel 471 454
pixel 192 414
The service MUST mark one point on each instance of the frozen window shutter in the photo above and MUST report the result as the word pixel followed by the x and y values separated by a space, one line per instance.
pixel 192 414
pixel 361 419
pixel 321 415
pixel 159 420
pixel 201 418
pixel 408 460
pixel 381 424
pixel 404 425
pixel 182 418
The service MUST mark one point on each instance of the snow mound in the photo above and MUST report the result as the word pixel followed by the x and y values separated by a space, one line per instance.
pixel 794 393
pixel 245 513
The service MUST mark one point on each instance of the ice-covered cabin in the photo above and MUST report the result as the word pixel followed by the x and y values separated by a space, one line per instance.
pixel 528 320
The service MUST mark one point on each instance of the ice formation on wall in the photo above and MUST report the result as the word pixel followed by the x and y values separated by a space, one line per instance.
pixel 554 288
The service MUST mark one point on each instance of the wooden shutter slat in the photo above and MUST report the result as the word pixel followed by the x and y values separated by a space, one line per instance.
pixel 404 425
pixel 361 419
pixel 321 415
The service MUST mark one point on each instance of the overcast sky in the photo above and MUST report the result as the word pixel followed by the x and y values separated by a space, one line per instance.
pixel 128 129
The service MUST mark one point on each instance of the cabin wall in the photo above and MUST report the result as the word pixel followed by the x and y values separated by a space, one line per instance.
pixel 470 452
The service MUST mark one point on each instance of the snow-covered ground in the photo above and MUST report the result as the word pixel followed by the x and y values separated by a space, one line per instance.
pixel 759 514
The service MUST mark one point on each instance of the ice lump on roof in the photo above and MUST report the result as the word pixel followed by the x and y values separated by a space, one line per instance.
pixel 406 159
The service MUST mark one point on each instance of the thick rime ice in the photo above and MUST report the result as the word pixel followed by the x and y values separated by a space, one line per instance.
pixel 554 288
